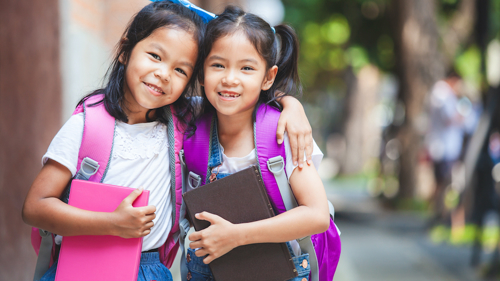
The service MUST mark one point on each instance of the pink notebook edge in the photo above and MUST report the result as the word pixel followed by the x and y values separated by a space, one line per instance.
pixel 142 200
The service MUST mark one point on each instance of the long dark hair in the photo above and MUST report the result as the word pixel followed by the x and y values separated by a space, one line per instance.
pixel 153 16
pixel 279 47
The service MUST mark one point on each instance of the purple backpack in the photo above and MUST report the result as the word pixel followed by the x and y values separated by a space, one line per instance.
pixel 97 144
pixel 326 245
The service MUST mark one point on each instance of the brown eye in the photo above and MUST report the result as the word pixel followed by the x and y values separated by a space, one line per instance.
pixel 155 56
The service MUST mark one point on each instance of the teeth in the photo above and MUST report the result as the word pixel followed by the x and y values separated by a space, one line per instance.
pixel 154 88
pixel 228 95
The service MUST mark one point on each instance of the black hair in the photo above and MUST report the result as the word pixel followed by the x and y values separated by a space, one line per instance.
pixel 153 16
pixel 280 49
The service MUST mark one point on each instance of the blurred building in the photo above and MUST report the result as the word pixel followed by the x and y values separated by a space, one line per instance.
pixel 52 53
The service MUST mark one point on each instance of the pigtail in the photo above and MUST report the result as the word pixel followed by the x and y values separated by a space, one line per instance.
pixel 287 79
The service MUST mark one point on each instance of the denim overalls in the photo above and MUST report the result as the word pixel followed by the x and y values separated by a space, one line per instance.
pixel 197 270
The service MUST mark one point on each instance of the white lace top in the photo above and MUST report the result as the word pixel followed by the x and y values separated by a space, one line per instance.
pixel 139 158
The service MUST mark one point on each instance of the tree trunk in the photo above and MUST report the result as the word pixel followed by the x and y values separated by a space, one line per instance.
pixel 420 66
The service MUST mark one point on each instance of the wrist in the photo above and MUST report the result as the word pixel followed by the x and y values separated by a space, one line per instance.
pixel 110 226
pixel 241 235
pixel 289 101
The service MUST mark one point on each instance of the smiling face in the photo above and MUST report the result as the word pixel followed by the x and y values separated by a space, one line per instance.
pixel 158 70
pixel 235 74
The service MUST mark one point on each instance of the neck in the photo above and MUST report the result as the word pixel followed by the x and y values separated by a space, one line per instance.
pixel 137 115
pixel 236 133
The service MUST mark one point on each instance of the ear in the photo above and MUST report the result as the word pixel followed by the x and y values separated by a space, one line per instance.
pixel 121 58
pixel 269 78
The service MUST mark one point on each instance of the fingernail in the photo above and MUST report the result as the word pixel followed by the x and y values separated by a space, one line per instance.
pixel 301 165
pixel 280 141
pixel 309 162
pixel 295 163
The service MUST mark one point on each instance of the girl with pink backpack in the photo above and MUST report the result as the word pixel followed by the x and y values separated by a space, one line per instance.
pixel 129 134
pixel 245 62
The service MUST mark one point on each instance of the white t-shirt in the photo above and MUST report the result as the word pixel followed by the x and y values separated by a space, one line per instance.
pixel 232 165
pixel 139 158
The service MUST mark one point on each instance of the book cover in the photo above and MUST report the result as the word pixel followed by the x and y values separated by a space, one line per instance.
pixel 92 257
pixel 241 198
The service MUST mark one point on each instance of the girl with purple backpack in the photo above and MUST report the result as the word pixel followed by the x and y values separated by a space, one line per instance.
pixel 245 62
pixel 146 98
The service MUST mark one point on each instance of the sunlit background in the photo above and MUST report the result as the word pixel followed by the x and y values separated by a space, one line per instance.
pixel 402 96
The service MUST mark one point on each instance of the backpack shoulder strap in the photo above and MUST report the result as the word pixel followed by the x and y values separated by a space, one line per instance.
pixel 93 160
pixel 272 164
pixel 266 124
pixel 97 138
pixel 198 146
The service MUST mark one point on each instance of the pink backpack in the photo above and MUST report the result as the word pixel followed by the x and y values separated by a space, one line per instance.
pixel 97 144
pixel 326 245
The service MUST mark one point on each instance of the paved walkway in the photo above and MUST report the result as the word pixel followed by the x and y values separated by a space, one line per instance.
pixel 395 247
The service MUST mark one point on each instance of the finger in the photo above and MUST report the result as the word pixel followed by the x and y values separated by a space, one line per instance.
pixel 147 210
pixel 206 216
pixel 195 244
pixel 293 147
pixel 208 259
pixel 149 225
pixel 280 131
pixel 309 148
pixel 201 252
pixel 300 151
pixel 195 236
pixel 146 232
pixel 133 195
pixel 150 217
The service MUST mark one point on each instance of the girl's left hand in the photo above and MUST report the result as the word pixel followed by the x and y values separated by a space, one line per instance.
pixel 293 118
pixel 216 240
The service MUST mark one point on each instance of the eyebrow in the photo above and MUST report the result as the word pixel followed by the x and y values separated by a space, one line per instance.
pixel 216 57
pixel 160 48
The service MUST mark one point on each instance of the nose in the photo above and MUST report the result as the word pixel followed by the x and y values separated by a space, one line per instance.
pixel 163 73
pixel 230 79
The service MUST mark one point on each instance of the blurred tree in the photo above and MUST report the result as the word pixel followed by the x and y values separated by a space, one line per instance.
pixel 416 40
pixel 420 65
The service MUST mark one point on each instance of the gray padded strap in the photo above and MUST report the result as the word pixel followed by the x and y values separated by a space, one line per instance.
pixel 277 165
pixel 183 222
pixel 44 254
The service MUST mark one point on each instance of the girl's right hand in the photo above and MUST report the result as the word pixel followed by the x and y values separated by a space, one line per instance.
pixel 133 222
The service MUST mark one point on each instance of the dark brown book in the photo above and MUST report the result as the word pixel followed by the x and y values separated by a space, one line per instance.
pixel 241 198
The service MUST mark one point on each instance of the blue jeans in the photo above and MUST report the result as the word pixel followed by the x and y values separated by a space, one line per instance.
pixel 150 269
pixel 198 271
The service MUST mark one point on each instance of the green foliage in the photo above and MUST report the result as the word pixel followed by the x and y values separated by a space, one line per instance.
pixel 468 65
pixel 339 35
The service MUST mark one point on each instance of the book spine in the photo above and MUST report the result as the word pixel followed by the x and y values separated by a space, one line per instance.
pixel 263 191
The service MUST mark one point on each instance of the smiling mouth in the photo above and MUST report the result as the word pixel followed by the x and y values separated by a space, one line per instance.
pixel 154 88
pixel 228 95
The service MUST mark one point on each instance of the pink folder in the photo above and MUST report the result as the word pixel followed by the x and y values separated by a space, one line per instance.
pixel 100 257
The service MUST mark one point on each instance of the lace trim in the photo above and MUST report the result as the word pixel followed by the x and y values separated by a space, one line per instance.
pixel 144 145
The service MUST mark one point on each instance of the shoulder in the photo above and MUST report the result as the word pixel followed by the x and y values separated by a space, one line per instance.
pixel 317 155
pixel 66 144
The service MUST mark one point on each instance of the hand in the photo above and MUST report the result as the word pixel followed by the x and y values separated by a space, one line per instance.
pixel 216 240
pixel 133 222
pixel 293 118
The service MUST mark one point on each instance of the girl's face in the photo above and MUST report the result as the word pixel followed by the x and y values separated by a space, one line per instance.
pixel 158 70
pixel 235 73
